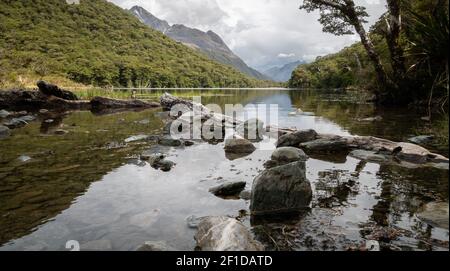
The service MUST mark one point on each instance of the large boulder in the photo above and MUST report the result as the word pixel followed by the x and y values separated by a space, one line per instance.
pixel 281 189
pixel 252 129
pixel 228 188
pixel 4 132
pixel 296 138
pixel 53 90
pixel 225 234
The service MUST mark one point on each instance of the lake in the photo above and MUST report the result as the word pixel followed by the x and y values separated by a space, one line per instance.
pixel 90 186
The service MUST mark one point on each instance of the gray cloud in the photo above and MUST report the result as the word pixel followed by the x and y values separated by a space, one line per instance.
pixel 258 30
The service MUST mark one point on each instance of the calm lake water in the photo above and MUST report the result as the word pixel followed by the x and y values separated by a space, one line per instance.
pixel 89 186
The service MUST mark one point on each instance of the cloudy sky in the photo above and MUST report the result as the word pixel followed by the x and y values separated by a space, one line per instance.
pixel 263 33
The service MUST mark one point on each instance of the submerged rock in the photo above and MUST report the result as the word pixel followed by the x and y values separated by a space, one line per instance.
pixel 435 214
pixel 296 138
pixel 225 234
pixel 167 141
pixel 228 189
pixel 421 140
pixel 155 246
pixel 97 245
pixel 61 132
pixel 371 119
pixel 281 189
pixel 4 132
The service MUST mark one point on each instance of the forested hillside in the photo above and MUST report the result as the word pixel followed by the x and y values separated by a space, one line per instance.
pixel 98 43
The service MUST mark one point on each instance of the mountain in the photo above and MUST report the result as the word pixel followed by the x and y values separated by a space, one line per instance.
pixel 208 43
pixel 283 73
pixel 96 42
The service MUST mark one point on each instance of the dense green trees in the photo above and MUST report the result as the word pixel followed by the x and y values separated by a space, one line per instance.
pixel 411 40
pixel 98 43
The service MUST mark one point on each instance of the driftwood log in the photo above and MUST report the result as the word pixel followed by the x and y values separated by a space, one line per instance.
pixel 54 98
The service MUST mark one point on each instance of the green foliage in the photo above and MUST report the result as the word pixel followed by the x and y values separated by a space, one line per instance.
pixel 425 39
pixel 98 43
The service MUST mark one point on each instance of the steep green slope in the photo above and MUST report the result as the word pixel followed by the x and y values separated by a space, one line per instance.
pixel 101 44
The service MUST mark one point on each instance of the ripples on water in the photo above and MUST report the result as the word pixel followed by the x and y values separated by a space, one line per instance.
pixel 90 187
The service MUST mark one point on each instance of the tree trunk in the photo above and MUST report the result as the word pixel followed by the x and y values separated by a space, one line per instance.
pixel 382 78
pixel 394 24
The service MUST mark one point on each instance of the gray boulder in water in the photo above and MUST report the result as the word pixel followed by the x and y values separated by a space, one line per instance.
pixel 296 138
pixel 281 189
pixel 421 140
pixel 326 145
pixel 225 234
pixel 239 145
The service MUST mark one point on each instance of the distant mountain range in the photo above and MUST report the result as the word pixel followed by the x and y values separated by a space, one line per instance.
pixel 283 73
pixel 209 42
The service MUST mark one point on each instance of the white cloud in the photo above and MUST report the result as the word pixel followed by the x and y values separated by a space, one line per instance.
pixel 258 30
pixel 283 55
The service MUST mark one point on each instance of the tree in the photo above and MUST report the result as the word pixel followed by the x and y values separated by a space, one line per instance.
pixel 393 31
pixel 343 17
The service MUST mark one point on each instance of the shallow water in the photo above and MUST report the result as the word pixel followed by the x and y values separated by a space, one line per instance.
pixel 90 187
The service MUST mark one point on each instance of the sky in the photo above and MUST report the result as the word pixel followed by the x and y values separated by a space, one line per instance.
pixel 264 33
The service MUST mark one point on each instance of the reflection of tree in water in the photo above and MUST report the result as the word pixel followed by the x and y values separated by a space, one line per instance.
pixel 334 187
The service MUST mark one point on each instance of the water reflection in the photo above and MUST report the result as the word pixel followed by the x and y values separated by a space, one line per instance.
pixel 78 187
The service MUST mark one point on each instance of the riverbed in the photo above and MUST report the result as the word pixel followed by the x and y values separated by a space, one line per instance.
pixel 90 185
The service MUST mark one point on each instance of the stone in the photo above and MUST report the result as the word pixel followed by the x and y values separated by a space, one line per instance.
pixel 188 143
pixel 139 138
pixel 239 145
pixel 61 132
pixel 43 111
pixel 292 114
pixel 288 155
pixel 19 122
pixel 225 234
pixel 97 245
pixel 228 188
pixel 281 189
pixel 435 214
pixel 369 156
pixel 325 145
pixel 24 158
pixel 166 165
pixel 421 140
pixel 4 132
pixel 155 246
pixel 167 141
pixel 245 195
pixel 252 129
pixel 4 114
pixel 296 138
